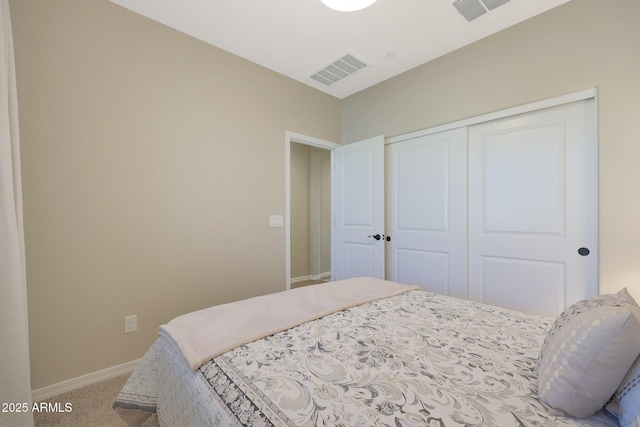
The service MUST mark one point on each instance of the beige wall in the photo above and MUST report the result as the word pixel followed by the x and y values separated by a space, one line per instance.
pixel 580 45
pixel 151 163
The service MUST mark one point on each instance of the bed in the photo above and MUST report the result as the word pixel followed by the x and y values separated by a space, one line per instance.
pixel 367 352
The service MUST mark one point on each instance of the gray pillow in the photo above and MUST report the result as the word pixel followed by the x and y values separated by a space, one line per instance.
pixel 587 353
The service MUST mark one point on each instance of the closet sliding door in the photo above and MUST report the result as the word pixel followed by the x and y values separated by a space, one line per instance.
pixel 427 213
pixel 502 211
pixel 533 209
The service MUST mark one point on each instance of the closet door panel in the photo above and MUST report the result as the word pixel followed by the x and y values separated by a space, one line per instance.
pixel 528 177
pixel 539 284
pixel 427 214
pixel 532 206
pixel 429 269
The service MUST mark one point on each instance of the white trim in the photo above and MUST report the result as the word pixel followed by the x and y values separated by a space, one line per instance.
pixel 82 381
pixel 309 140
pixel 521 109
pixel 322 276
pixel 290 137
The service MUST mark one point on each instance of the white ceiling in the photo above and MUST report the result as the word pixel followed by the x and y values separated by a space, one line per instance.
pixel 297 38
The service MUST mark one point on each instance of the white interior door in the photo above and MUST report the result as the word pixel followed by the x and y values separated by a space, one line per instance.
pixel 427 212
pixel 533 209
pixel 357 243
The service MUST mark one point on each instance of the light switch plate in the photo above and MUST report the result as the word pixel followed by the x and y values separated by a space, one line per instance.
pixel 130 324
pixel 276 221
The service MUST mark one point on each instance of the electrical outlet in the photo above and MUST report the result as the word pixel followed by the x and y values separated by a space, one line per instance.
pixel 276 221
pixel 130 324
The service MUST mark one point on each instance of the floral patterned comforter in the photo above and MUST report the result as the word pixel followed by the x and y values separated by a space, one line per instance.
pixel 416 359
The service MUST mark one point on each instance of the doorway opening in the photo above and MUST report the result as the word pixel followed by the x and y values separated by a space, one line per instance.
pixel 308 209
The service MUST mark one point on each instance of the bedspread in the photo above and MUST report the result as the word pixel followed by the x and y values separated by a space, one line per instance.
pixel 414 359
pixel 417 359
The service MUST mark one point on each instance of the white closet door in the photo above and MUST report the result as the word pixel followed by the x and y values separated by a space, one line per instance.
pixel 533 209
pixel 427 213
pixel 358 210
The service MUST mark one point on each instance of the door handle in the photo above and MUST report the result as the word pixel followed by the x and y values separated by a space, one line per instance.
pixel 375 236
pixel 583 251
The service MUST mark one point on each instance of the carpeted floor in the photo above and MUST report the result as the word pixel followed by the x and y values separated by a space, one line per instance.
pixel 90 407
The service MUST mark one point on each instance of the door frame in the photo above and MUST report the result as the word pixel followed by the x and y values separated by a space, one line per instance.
pixel 500 114
pixel 292 137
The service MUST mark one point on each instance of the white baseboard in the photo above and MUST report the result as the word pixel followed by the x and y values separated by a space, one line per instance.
pixel 320 276
pixel 88 379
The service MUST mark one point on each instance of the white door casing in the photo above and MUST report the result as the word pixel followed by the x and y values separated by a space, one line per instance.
pixel 427 212
pixel 357 195
pixel 532 206
pixel 292 137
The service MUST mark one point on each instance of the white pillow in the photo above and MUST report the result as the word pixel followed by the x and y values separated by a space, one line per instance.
pixel 587 353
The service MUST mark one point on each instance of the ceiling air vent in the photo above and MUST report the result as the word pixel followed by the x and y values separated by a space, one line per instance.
pixel 492 4
pixel 339 69
pixel 472 9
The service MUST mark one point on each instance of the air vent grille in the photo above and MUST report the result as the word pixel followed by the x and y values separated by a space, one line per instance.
pixel 492 4
pixel 339 69
pixel 472 9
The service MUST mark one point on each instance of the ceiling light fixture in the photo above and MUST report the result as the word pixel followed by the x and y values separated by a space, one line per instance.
pixel 348 5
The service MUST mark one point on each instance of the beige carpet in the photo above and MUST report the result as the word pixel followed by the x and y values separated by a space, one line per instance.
pixel 90 406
